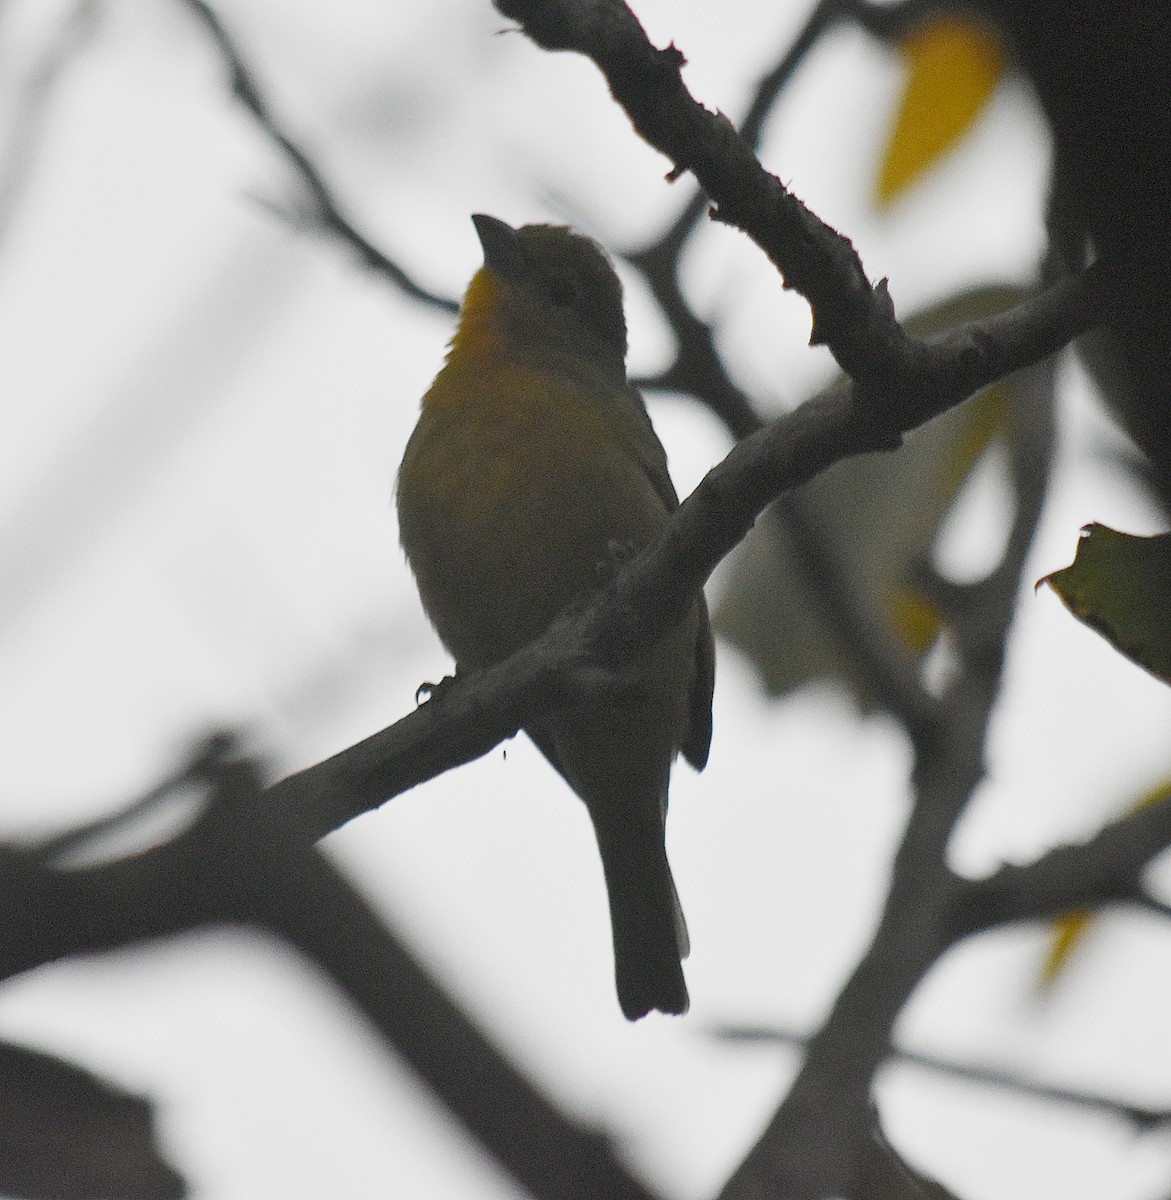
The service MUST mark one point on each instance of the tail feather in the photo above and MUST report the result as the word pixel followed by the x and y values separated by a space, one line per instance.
pixel 650 935
pixel 625 792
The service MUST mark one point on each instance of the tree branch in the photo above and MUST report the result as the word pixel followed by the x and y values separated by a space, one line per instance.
pixel 1152 904
pixel 1005 1078
pixel 817 1143
pixel 851 316
pixel 697 369
pixel 1105 868
pixel 584 650
pixel 327 209
pixel 239 863
pixel 304 899
pixel 587 648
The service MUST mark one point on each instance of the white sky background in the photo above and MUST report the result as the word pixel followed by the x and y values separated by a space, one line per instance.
pixel 204 410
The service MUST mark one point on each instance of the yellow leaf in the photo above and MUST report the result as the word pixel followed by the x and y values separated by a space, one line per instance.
pixel 953 66
pixel 916 620
pixel 1068 932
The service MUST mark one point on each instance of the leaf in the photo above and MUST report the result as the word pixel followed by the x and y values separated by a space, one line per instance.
pixel 1119 584
pixel 879 516
pixel 1070 930
pixel 67 1135
pixel 953 66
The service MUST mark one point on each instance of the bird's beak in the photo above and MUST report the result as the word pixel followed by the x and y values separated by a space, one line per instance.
pixel 503 253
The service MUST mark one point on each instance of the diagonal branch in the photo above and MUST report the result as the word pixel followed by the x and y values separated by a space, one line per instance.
pixel 697 368
pixel 1107 867
pixel 239 863
pixel 327 208
pixel 850 315
pixel 854 318
pixel 586 648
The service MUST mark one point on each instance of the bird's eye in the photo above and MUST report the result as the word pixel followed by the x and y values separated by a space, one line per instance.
pixel 562 292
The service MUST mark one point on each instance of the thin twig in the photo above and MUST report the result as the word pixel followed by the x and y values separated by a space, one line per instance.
pixel 824 16
pixel 1152 904
pixel 1004 1078
pixel 327 209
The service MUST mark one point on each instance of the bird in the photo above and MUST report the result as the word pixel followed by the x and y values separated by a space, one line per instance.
pixel 532 469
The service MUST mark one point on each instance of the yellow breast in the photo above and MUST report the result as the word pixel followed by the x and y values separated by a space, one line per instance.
pixel 514 493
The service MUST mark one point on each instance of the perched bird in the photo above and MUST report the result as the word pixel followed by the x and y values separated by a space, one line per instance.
pixel 533 465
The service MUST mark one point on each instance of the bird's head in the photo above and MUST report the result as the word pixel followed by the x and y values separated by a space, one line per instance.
pixel 552 293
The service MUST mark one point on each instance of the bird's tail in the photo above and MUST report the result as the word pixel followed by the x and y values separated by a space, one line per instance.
pixel 650 936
